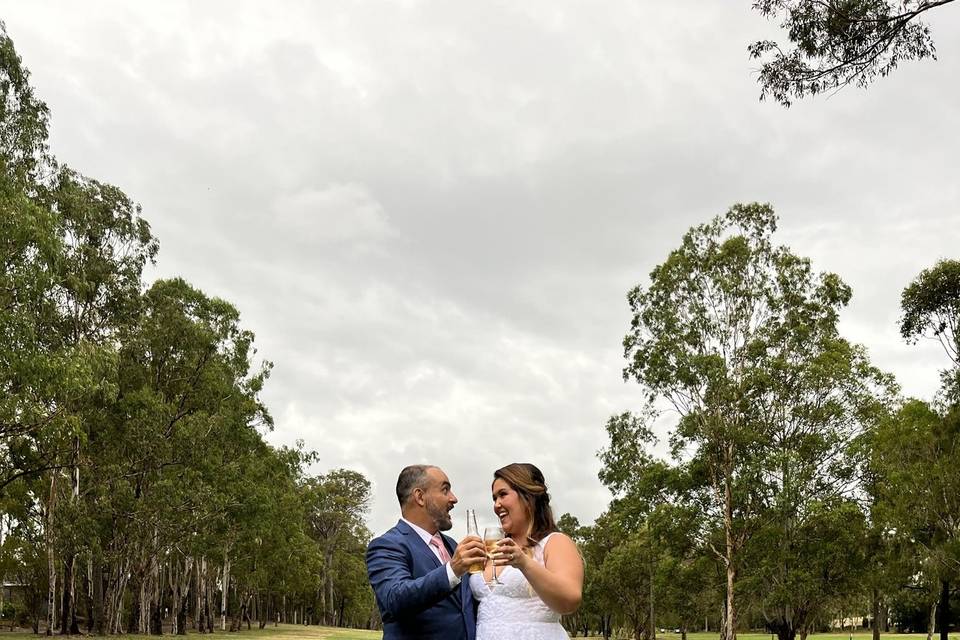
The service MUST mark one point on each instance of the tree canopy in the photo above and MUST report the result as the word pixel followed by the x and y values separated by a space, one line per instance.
pixel 836 43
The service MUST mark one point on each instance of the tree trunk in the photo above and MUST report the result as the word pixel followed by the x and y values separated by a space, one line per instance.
pixel 146 599
pixel 226 589
pixel 88 593
pixel 179 581
pixel 652 623
pixel 944 609
pixel 51 557
pixel 136 593
pixel 68 614
pixel 114 588
pixel 785 631
pixel 876 614
pixel 197 598
pixel 99 598
pixel 730 618
pixel 932 624
pixel 181 617
pixel 206 606
pixel 156 618
pixel 208 599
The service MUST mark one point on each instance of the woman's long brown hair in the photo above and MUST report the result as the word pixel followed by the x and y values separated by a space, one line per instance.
pixel 528 482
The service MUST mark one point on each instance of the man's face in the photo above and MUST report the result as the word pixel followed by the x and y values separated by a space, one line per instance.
pixel 438 499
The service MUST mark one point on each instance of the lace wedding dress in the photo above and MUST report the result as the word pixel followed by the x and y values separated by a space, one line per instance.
pixel 512 610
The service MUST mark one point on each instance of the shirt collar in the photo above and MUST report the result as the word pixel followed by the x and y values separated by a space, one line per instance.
pixel 420 531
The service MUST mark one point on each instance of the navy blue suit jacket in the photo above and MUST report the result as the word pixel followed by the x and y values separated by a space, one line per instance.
pixel 413 591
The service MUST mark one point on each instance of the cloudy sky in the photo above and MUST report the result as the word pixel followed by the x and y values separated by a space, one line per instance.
pixel 430 212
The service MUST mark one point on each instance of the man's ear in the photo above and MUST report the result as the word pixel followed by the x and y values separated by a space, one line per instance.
pixel 418 496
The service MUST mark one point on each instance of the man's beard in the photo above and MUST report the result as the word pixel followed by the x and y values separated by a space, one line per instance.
pixel 441 518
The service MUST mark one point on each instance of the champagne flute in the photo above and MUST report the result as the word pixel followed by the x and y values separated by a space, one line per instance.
pixel 491 536
pixel 472 530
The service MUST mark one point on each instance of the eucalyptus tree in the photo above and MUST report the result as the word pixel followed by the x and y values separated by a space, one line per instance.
pixel 685 594
pixel 931 309
pixel 597 609
pixel 30 372
pixel 836 43
pixel 178 442
pixel 915 453
pixel 336 504
pixel 918 492
pixel 739 336
pixel 73 251
pixel 666 502
pixel 580 619
pixel 106 244
pixel 626 580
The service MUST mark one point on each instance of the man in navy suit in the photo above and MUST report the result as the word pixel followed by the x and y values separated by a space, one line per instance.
pixel 416 571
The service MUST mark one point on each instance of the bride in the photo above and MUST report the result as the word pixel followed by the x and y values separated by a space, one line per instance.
pixel 539 570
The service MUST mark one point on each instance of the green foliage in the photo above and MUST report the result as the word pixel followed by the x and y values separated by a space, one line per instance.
pixel 23 121
pixel 918 493
pixel 740 337
pixel 839 43
pixel 336 504
pixel 931 309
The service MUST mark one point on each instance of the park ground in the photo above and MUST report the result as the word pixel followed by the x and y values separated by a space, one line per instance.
pixel 297 632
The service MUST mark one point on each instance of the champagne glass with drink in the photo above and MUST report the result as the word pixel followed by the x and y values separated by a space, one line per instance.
pixel 472 530
pixel 491 536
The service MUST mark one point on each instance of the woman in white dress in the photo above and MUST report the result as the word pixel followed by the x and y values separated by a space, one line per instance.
pixel 540 569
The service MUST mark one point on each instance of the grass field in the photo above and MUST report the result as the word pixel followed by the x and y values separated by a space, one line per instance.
pixel 297 632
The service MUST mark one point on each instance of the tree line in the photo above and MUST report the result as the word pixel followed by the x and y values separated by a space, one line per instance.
pixel 799 487
pixel 137 493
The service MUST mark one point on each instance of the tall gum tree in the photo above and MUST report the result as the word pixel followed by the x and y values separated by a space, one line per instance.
pixel 931 310
pixel 914 455
pixel 915 452
pixel 740 337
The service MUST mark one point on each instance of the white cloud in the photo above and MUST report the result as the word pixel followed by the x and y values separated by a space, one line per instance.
pixel 335 214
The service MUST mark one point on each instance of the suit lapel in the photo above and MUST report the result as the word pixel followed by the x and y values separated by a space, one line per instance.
pixel 416 543
pixel 418 546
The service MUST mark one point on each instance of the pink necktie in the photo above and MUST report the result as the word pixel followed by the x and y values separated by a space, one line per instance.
pixel 438 543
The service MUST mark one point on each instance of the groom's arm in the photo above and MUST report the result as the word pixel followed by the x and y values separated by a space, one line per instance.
pixel 399 593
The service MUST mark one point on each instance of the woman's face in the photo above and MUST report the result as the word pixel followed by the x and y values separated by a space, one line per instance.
pixel 509 508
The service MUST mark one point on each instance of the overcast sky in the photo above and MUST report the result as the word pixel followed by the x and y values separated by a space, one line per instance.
pixel 430 212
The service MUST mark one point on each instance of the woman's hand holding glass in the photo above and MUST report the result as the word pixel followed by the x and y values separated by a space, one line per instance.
pixel 510 554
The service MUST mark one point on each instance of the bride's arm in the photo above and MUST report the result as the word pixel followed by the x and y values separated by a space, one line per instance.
pixel 559 581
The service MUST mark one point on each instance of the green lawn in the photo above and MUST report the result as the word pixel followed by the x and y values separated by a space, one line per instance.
pixel 297 632
pixel 860 635
pixel 280 632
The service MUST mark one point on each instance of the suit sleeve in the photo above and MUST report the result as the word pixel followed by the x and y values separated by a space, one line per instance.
pixel 399 593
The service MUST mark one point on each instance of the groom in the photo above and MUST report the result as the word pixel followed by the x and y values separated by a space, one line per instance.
pixel 416 572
